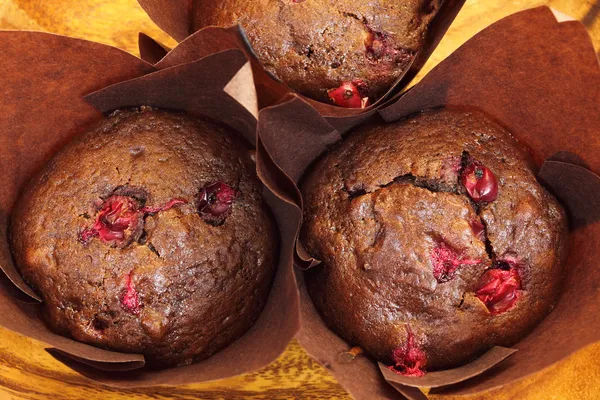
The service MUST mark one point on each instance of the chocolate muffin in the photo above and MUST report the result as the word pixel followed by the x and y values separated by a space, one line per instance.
pixel 436 240
pixel 345 52
pixel 148 234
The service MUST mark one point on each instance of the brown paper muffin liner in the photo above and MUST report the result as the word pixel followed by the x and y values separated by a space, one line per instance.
pixel 150 50
pixel 53 89
pixel 539 79
pixel 179 18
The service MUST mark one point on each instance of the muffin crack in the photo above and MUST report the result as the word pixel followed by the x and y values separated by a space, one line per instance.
pixel 497 266
pixel 432 185
pixel 435 186
pixel 346 14
pixel 489 248
pixel 153 249
pixel 466 159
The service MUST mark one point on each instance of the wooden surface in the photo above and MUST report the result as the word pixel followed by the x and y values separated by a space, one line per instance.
pixel 28 372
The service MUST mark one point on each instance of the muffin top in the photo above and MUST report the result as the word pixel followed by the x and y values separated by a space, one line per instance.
pixel 345 52
pixel 436 240
pixel 148 234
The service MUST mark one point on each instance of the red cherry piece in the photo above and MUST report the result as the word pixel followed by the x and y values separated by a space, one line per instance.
pixel 478 229
pixel 116 220
pixel 480 182
pixel 214 202
pixel 119 219
pixel 499 288
pixel 129 298
pixel 350 94
pixel 446 261
pixel 170 204
pixel 409 359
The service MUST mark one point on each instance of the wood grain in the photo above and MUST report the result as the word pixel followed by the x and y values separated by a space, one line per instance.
pixel 27 372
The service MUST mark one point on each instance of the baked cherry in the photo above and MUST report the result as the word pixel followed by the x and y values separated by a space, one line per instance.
pixel 481 183
pixel 446 261
pixel 129 298
pixel 498 287
pixel 214 202
pixel 478 229
pixel 409 359
pixel 350 94
pixel 118 220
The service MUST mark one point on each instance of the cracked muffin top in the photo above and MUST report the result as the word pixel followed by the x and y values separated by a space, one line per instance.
pixel 148 234
pixel 346 53
pixel 436 240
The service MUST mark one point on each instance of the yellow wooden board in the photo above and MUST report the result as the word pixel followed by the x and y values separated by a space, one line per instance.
pixel 27 372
